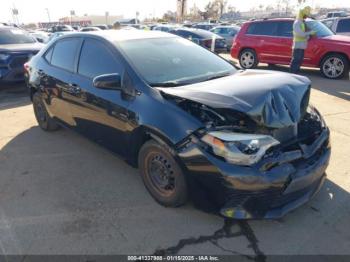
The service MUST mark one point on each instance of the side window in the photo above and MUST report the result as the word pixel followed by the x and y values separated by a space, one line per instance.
pixel 285 29
pixel 328 23
pixel 96 59
pixel 184 34
pixel 343 26
pixel 217 31
pixel 263 28
pixel 64 52
pixel 48 55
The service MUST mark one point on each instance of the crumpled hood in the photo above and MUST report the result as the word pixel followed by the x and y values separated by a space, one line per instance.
pixel 31 47
pixel 272 99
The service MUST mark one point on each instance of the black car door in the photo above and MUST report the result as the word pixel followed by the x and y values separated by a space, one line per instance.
pixel 55 75
pixel 99 114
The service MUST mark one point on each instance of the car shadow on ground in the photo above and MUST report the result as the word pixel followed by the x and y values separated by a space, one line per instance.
pixel 59 187
pixel 13 95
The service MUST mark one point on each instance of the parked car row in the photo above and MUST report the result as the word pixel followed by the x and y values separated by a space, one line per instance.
pixel 267 41
pixel 16 47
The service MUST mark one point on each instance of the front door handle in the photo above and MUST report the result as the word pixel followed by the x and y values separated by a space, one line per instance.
pixel 41 72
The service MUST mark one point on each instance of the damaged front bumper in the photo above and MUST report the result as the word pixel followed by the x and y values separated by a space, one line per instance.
pixel 276 185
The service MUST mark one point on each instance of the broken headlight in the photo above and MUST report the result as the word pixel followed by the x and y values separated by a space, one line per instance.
pixel 239 149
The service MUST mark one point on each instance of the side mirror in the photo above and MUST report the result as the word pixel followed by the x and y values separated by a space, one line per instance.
pixel 108 81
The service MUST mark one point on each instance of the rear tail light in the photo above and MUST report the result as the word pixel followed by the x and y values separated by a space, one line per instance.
pixel 26 67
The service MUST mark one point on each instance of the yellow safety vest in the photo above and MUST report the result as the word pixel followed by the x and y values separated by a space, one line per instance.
pixel 298 38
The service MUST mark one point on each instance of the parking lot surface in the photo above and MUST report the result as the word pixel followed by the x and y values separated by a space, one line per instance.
pixel 62 194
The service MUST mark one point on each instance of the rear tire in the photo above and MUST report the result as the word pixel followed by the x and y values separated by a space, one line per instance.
pixel 248 59
pixel 45 122
pixel 335 66
pixel 161 174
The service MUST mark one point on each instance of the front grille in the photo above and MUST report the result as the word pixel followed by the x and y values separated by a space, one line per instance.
pixel 259 202
pixel 256 202
pixel 288 198
pixel 18 61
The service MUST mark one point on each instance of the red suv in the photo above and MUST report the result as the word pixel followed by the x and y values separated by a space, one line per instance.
pixel 270 41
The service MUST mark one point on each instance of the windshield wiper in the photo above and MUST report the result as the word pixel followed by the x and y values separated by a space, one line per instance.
pixel 182 83
pixel 217 76
pixel 166 84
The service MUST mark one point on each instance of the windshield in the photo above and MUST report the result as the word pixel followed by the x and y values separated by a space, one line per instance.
pixel 15 36
pixel 174 61
pixel 321 29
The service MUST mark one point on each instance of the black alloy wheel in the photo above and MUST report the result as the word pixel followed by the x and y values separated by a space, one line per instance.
pixel 44 120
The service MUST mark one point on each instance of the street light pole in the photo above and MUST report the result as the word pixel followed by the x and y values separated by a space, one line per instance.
pixel 48 14
pixel 106 15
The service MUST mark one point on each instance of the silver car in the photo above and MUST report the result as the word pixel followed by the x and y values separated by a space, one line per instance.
pixel 339 25
pixel 228 32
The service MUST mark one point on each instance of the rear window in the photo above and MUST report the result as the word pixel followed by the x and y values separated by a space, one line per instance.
pixel 263 28
pixel 64 52
pixel 200 33
pixel 15 36
pixel 343 26
pixel 225 31
pixel 183 33
pixel 48 55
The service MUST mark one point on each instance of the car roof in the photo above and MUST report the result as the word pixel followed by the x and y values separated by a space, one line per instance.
pixel 5 27
pixel 227 26
pixel 200 32
pixel 271 19
pixel 276 20
pixel 122 34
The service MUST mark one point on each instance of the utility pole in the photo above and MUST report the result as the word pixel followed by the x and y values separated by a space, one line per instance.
pixel 48 14
pixel 107 14
pixel 14 11
pixel 137 17
pixel 72 12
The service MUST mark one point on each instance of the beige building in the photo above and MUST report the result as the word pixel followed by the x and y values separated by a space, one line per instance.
pixel 94 19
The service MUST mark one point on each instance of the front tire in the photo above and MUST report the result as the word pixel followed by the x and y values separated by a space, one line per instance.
pixel 45 122
pixel 248 59
pixel 162 175
pixel 335 66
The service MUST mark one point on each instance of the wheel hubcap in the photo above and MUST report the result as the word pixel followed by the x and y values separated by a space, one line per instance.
pixel 333 67
pixel 161 174
pixel 247 59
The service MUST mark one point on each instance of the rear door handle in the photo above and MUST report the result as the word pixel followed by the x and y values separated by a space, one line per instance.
pixel 74 89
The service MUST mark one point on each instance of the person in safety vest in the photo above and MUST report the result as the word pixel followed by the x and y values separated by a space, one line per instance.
pixel 300 38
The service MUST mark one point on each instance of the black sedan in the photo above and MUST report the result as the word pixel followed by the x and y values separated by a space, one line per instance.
pixel 16 47
pixel 203 38
pixel 246 142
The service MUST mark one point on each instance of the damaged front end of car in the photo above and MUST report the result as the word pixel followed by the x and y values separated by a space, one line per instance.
pixel 260 156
